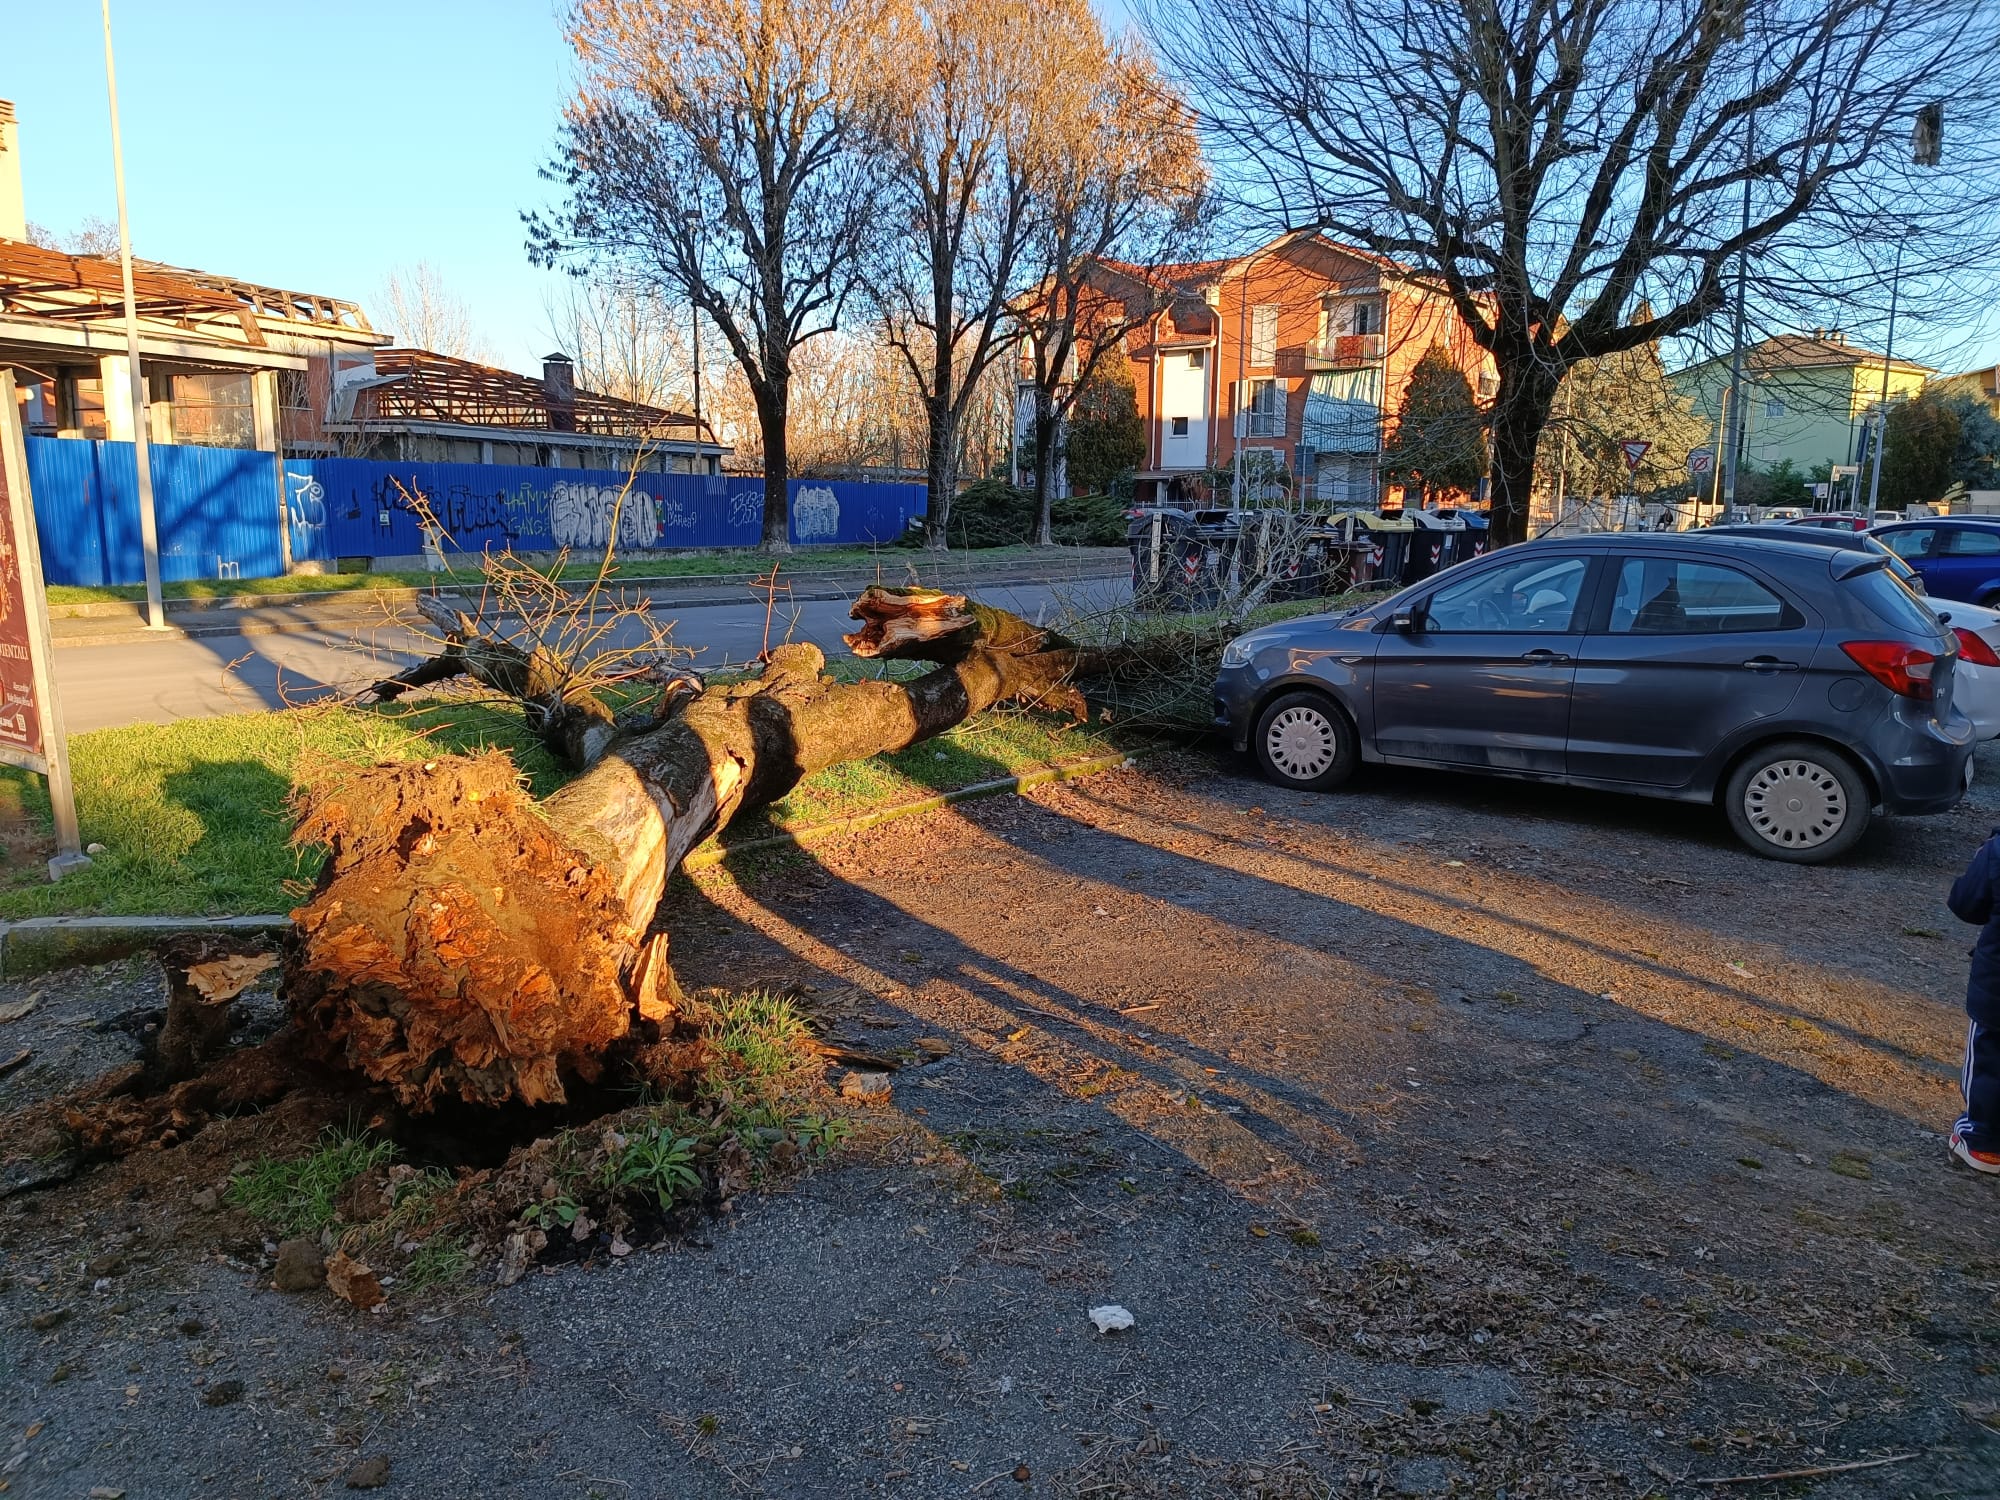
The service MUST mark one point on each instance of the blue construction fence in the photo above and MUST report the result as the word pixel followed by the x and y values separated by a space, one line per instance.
pixel 216 509
pixel 219 510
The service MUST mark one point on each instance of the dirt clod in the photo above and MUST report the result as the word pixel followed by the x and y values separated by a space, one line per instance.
pixel 369 1474
pixel 223 1393
pixel 300 1266
pixel 55 1317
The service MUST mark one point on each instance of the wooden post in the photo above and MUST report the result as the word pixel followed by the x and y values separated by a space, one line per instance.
pixel 31 732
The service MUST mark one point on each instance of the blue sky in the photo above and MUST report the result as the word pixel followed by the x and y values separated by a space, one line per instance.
pixel 318 148
pixel 308 147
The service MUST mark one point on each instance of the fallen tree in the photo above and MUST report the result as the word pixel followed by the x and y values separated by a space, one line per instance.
pixel 464 941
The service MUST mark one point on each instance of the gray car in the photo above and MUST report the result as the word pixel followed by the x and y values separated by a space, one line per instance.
pixel 1798 685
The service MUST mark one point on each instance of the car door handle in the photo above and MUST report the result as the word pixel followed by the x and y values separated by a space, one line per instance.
pixel 1770 664
pixel 1542 656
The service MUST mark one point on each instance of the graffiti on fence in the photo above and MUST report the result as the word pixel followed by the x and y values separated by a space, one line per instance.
pixel 746 507
pixel 305 512
pixel 582 515
pixel 816 514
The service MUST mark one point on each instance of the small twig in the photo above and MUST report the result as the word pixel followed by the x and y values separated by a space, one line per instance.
pixel 1813 1473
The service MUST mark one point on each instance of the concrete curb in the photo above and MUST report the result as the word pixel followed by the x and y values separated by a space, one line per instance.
pixel 295 614
pixel 38 945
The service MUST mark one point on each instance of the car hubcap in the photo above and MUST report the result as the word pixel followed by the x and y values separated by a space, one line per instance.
pixel 1795 804
pixel 1301 743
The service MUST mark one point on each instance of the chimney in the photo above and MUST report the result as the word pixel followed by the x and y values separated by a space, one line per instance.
pixel 559 391
pixel 13 208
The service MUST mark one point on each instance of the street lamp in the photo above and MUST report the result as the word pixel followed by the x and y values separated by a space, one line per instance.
pixel 693 220
pixel 1926 146
pixel 142 458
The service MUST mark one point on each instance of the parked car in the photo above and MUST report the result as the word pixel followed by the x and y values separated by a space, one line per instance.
pixel 1785 513
pixel 1834 520
pixel 1977 675
pixel 1797 685
pixel 1958 557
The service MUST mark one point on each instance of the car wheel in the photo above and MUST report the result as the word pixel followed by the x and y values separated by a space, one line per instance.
pixel 1304 741
pixel 1799 801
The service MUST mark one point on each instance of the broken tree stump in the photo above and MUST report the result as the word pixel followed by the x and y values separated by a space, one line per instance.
pixel 205 974
pixel 466 942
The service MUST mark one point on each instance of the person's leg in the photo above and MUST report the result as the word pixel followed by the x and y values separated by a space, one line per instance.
pixel 1975 1139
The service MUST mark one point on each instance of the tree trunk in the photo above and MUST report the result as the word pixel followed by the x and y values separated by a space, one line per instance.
pixel 463 941
pixel 1048 441
pixel 773 406
pixel 1520 412
pixel 941 465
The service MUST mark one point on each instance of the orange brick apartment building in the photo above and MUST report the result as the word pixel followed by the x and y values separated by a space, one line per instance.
pixel 1304 345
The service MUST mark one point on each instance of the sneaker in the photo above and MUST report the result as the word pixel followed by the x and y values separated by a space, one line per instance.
pixel 1979 1161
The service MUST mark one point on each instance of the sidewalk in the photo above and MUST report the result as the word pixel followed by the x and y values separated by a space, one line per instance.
pixel 120 622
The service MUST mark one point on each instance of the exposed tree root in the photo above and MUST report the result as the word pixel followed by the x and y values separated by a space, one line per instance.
pixel 466 942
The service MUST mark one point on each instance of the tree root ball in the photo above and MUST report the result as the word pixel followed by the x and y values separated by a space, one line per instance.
pixel 455 944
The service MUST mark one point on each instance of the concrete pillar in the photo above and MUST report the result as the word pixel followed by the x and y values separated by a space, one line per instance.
pixel 264 409
pixel 486 450
pixel 115 371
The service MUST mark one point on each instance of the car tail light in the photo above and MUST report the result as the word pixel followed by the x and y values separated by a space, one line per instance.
pixel 1973 648
pixel 1900 667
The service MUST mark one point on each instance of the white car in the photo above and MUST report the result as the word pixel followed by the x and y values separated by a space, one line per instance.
pixel 1976 678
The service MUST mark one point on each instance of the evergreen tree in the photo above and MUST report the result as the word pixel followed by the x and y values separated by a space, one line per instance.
pixel 1919 451
pixel 1440 441
pixel 1106 437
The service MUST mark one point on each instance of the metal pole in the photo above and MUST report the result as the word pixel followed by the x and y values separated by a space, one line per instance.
pixel 694 320
pixel 142 459
pixel 1726 462
pixel 1882 413
pixel 1240 420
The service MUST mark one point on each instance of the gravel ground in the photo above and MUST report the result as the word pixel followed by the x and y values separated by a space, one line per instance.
pixel 1443 1137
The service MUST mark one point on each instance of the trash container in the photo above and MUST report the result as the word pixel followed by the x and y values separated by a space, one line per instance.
pixel 1379 546
pixel 1473 541
pixel 1171 568
pixel 1432 542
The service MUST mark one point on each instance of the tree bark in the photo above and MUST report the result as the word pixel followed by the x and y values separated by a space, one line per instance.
pixel 941 465
pixel 1520 412
pixel 1048 441
pixel 773 405
pixel 463 941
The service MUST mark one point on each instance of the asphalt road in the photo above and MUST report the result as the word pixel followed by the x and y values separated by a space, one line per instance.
pixel 156 682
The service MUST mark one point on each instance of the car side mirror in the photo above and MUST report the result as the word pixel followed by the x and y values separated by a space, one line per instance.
pixel 1408 621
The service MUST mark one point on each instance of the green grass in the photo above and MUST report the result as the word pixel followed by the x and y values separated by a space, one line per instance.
pixel 894 562
pixel 193 814
pixel 297 1196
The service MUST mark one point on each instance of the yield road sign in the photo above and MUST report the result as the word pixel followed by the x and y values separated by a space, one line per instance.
pixel 1634 450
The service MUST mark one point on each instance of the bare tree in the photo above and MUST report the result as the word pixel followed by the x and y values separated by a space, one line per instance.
pixel 718 153
pixel 1554 164
pixel 96 235
pixel 964 132
pixel 423 312
pixel 1123 182
pixel 626 339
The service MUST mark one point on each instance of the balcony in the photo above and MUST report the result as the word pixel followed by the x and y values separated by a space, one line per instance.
pixel 1343 351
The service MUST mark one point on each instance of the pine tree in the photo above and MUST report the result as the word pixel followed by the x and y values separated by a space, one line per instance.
pixel 1106 437
pixel 1440 441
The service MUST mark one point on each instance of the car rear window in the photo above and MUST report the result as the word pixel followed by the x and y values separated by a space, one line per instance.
pixel 1886 595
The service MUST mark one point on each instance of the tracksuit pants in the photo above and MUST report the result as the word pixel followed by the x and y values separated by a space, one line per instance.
pixel 1979 1126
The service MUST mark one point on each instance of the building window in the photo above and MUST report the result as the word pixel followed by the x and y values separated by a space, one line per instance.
pixel 1364 317
pixel 1197 358
pixel 1265 408
pixel 1774 407
pixel 1264 335
pixel 1180 427
pixel 215 411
